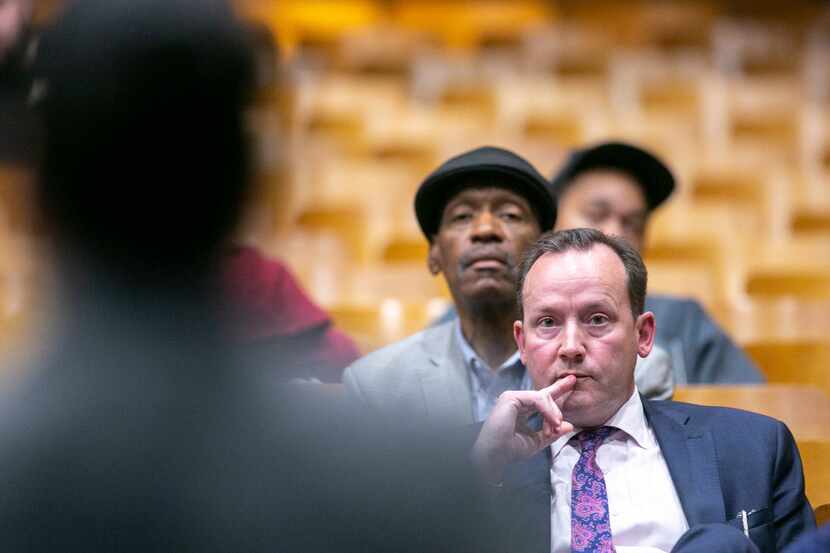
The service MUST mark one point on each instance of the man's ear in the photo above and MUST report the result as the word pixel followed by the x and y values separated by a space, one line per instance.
pixel 519 336
pixel 645 328
pixel 432 259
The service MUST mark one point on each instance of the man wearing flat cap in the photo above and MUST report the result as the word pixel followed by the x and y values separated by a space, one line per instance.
pixel 479 212
pixel 614 187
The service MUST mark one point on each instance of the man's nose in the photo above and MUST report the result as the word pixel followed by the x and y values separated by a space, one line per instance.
pixel 612 227
pixel 572 349
pixel 487 227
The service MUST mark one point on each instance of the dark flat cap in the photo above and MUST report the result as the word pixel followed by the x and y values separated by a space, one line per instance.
pixel 650 173
pixel 513 172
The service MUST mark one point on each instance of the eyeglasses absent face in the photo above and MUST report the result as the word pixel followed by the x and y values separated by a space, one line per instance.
pixel 480 241
pixel 578 321
pixel 606 200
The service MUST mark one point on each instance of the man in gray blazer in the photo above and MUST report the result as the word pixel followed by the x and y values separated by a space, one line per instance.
pixel 479 211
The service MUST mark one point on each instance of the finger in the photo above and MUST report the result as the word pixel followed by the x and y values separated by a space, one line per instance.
pixel 549 410
pixel 560 387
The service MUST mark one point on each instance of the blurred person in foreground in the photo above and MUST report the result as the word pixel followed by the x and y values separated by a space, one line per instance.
pixel 17 45
pixel 140 430
pixel 479 211
pixel 603 468
pixel 615 187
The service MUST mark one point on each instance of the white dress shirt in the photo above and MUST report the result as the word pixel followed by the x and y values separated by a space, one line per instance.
pixel 645 511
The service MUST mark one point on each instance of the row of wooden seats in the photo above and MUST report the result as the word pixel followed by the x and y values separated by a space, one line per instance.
pixel 772 113
pixel 368 136
pixel 481 25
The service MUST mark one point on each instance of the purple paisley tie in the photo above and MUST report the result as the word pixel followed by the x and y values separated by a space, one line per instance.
pixel 590 523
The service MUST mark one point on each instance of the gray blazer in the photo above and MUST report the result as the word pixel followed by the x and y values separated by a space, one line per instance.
pixel 425 378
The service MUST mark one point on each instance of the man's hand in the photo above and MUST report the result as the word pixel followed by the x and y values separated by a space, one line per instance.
pixel 506 437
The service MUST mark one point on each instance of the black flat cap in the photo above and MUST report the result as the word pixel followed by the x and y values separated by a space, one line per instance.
pixel 650 173
pixel 513 172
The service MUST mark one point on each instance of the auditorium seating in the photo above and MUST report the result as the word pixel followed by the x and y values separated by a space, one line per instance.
pixel 814 455
pixel 374 94
pixel 793 361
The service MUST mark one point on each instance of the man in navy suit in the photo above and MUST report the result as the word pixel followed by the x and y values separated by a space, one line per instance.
pixel 609 470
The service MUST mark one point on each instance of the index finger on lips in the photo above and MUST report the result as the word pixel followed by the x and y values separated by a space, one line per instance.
pixel 546 407
pixel 560 387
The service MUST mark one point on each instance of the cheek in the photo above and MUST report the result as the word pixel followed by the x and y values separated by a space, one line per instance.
pixel 609 351
pixel 540 356
pixel 569 220
pixel 635 240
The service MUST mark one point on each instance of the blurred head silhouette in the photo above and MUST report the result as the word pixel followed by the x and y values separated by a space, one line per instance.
pixel 145 160
pixel 15 17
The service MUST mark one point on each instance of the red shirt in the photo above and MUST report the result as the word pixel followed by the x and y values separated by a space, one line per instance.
pixel 269 309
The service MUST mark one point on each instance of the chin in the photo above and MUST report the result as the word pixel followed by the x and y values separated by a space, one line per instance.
pixel 490 293
pixel 581 409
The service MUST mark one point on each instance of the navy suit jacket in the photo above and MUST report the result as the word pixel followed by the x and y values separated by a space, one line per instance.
pixel 721 460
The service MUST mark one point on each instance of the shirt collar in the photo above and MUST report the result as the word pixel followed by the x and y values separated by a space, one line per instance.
pixel 472 359
pixel 630 418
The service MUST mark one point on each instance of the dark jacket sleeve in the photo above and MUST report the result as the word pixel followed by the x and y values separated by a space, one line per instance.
pixel 791 511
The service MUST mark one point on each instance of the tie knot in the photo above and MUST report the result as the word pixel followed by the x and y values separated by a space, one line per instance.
pixel 589 440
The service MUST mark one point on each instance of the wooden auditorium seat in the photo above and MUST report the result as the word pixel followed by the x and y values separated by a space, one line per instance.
pixel 810 220
pixel 383 49
pixel 730 187
pixel 406 249
pixel 347 223
pixel 805 409
pixel 765 113
pixel 793 361
pixel 816 456
pixel 692 279
pixel 374 325
pixel 797 283
pixel 680 27
pixel 299 23
pixel 570 52
pixel 472 25
pixel 758 320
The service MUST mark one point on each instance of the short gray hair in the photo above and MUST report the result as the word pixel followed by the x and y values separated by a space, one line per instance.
pixel 583 239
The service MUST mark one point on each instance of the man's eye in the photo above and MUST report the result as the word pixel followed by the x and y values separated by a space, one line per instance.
pixel 598 320
pixel 596 216
pixel 634 224
pixel 511 216
pixel 460 217
pixel 546 322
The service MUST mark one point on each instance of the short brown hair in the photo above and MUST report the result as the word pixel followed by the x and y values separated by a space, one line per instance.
pixel 583 239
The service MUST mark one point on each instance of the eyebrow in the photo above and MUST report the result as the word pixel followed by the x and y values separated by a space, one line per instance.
pixel 599 305
pixel 606 204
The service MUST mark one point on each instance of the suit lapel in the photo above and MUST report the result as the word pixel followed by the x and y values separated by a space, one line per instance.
pixel 445 380
pixel 690 454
